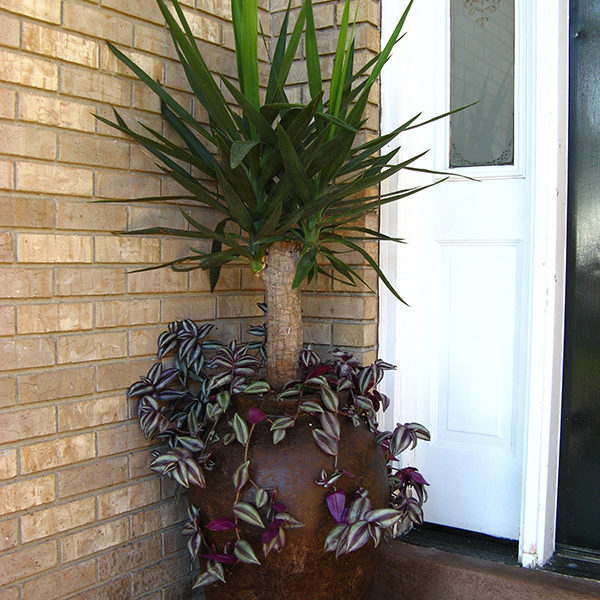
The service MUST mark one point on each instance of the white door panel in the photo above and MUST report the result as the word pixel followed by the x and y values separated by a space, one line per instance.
pixel 461 346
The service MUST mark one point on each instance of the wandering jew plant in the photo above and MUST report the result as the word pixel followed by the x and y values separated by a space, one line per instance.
pixel 191 407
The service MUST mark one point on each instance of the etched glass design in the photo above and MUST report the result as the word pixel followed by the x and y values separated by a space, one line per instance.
pixel 482 71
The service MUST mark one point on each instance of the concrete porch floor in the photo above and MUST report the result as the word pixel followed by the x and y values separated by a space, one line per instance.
pixel 410 572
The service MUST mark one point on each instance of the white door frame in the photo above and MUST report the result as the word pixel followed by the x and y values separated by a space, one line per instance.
pixel 550 45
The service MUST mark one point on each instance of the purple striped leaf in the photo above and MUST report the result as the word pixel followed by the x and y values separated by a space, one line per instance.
pixel 244 553
pixel 246 512
pixel 325 442
pixel 241 476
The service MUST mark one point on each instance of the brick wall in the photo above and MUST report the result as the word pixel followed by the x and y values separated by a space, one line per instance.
pixel 81 515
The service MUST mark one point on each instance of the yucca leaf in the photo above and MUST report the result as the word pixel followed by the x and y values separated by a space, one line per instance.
pixel 337 77
pixel 293 165
pixel 249 49
pixel 289 54
pixel 273 85
pixel 305 265
pixel 236 17
pixel 313 60
pixel 239 151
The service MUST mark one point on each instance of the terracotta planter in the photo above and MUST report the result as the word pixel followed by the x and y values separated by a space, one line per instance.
pixel 302 570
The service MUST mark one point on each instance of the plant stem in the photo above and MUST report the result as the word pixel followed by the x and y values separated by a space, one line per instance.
pixel 284 314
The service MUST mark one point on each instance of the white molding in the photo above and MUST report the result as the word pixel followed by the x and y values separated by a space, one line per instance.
pixel 549 193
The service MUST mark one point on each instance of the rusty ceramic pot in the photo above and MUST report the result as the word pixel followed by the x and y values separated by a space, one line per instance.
pixel 302 570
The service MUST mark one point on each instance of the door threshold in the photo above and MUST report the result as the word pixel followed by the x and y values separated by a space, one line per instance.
pixel 576 562
pixel 466 543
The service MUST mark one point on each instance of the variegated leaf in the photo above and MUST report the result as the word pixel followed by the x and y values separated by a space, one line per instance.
pixel 331 424
pixel 289 522
pixel 332 540
pixel 216 569
pixel 356 537
pixel 240 429
pixel 243 552
pixel 330 399
pixel 325 442
pixel 257 387
pixel 282 423
pixel 311 406
pixel 385 517
pixel 223 400
pixel 240 477
pixel 205 578
pixel 246 512
pixel 262 497
pixel 278 436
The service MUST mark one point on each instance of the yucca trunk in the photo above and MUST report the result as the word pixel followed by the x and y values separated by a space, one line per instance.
pixel 284 314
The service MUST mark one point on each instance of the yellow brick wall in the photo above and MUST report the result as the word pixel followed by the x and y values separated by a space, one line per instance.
pixel 81 515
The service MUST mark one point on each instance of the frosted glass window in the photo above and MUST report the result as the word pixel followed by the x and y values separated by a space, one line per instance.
pixel 482 70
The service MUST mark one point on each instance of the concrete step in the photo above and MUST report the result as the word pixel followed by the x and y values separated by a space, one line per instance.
pixel 409 572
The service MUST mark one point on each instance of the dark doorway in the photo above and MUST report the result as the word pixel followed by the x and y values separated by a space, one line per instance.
pixel 579 483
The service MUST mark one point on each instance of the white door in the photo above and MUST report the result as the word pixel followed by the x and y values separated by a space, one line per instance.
pixel 462 346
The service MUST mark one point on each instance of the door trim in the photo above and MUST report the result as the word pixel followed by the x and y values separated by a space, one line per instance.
pixel 549 44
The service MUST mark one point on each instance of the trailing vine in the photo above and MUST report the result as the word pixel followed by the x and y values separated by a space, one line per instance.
pixel 190 406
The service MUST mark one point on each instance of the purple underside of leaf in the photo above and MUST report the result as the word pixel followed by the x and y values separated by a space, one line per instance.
pixel 255 415
pixel 279 507
pixel 220 525
pixel 336 502
pixel 414 475
pixel 221 558
pixel 271 532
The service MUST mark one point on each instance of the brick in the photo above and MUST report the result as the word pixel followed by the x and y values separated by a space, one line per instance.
pixel 93 282
pixel 155 216
pixel 355 334
pixel 28 561
pixel 7 320
pixel 136 250
pixel 94 150
pixel 91 217
pixel 156 519
pixel 115 590
pixel 56 384
pixel 153 39
pixel 27 494
pixel 8 464
pixel 45 10
pixel 43 523
pixel 124 185
pixel 25 283
pixel 53 248
pixel 59 44
pixel 29 423
pixel 317 333
pixel 105 88
pixel 204 27
pixel 8 391
pixel 129 558
pixel 97 346
pixel 200 308
pixel 119 313
pixel 89 413
pixel 161 574
pixel 239 306
pixel 24 140
pixel 230 279
pixel 97 23
pixel 31 72
pixel 27 353
pixel 146 11
pixel 117 376
pixel 95 539
pixel 8 100
pixel 125 499
pixel 49 110
pixel 142 342
pixel 44 318
pixel 54 179
pixel 139 464
pixel 9 534
pixel 12 593
pixel 64 451
pixel 123 438
pixel 7 248
pixel 26 212
pixel 339 307
pixel 69 579
pixel 6 175
pixel 160 281
pixel 10 34
pixel 86 478
pixel 149 64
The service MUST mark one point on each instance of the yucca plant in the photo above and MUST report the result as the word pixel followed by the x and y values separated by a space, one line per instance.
pixel 292 180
